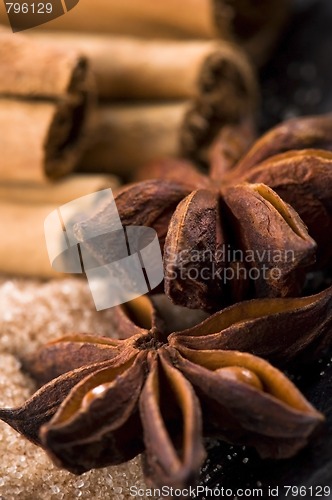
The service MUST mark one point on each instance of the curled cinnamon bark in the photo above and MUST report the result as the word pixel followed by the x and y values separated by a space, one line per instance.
pixel 123 137
pixel 222 89
pixel 127 67
pixel 23 250
pixel 24 209
pixel 228 94
pixel 254 24
pixel 59 192
pixel 44 99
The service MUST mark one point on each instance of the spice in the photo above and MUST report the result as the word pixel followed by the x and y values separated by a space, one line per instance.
pixel 62 191
pixel 251 23
pixel 53 94
pixel 24 208
pixel 123 137
pixel 284 331
pixel 232 222
pixel 302 178
pixel 108 393
pixel 129 68
pixel 222 89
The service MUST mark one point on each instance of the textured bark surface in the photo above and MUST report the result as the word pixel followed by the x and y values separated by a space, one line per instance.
pixel 136 68
pixel 43 108
pixel 222 89
pixel 255 24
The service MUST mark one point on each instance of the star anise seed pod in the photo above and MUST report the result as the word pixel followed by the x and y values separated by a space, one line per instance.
pixel 294 159
pixel 152 392
pixel 250 214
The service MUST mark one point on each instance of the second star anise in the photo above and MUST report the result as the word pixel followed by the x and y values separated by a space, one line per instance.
pixel 250 228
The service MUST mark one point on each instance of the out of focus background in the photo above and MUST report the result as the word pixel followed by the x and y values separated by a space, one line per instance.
pixel 298 78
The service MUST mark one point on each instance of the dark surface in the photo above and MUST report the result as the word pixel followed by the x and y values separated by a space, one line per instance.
pixel 297 81
pixel 236 467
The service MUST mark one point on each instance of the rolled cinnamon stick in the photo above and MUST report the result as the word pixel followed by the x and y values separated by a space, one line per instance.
pixel 135 68
pixel 144 18
pixel 254 23
pixel 59 192
pixel 227 94
pixel 44 99
pixel 125 136
pixel 23 249
pixel 23 246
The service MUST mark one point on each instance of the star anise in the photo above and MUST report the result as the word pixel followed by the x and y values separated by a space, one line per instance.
pixel 107 400
pixel 247 215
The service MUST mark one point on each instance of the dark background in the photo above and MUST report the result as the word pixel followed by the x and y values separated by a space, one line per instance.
pixel 297 81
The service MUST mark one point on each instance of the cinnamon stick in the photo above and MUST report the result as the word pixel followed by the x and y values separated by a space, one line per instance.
pixel 23 249
pixel 44 99
pixel 254 24
pixel 135 68
pixel 227 94
pixel 125 136
pixel 59 192
pixel 144 18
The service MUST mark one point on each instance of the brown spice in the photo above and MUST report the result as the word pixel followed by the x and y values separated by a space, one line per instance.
pixel 255 24
pixel 53 94
pixel 222 87
pixel 242 206
pixel 109 393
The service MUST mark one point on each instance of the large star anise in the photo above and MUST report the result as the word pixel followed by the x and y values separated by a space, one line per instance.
pixel 241 231
pixel 107 400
